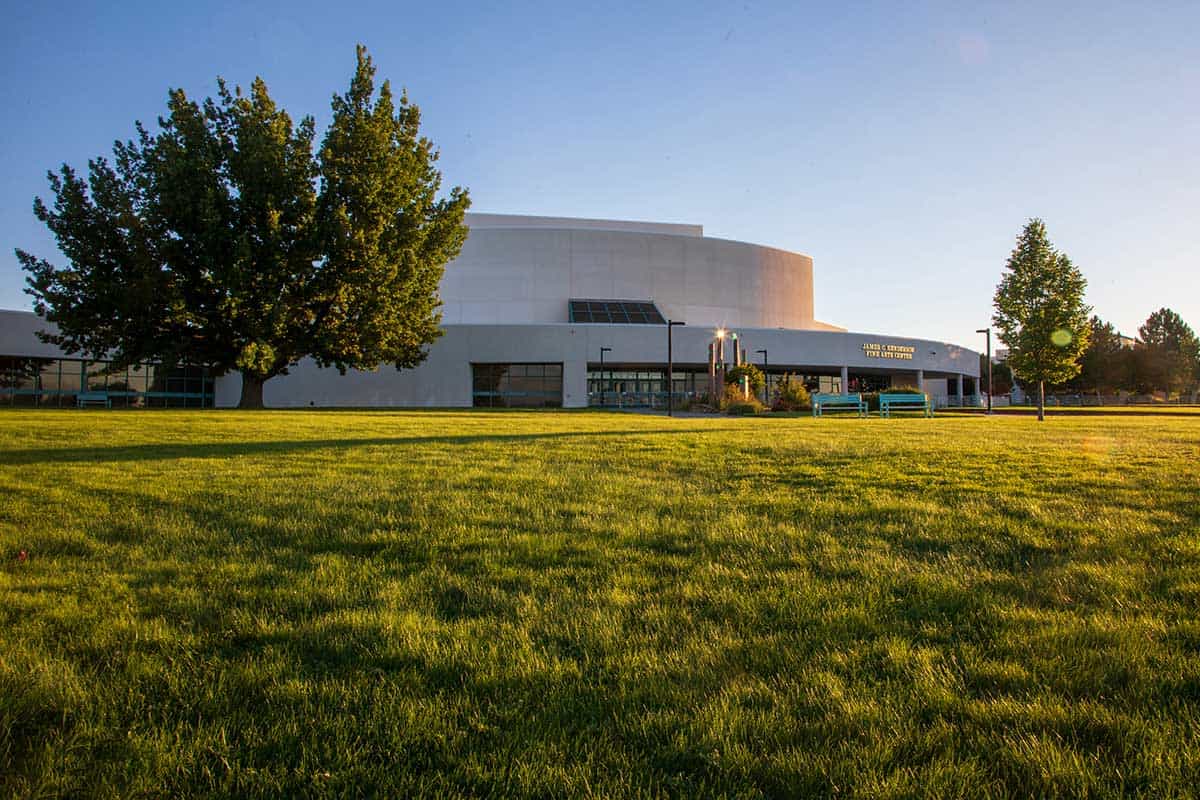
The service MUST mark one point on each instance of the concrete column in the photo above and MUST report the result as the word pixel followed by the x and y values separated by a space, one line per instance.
pixel 921 380
pixel 960 394
pixel 575 383
pixel 845 379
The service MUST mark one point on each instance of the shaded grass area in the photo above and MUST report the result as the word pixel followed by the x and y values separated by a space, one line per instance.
pixel 459 603
pixel 1137 410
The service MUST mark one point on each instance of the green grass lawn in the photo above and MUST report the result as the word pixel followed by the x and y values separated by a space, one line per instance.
pixel 1167 409
pixel 607 605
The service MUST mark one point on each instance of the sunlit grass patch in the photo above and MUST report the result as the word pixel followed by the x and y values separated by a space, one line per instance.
pixel 509 604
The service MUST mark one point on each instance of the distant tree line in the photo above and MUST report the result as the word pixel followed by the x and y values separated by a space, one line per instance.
pixel 1056 343
pixel 1165 357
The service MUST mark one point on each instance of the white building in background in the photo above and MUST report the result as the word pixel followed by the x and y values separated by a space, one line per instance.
pixel 546 311
pixel 531 301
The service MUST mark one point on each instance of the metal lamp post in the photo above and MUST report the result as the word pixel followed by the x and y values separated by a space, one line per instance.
pixel 670 368
pixel 603 350
pixel 988 331
pixel 766 380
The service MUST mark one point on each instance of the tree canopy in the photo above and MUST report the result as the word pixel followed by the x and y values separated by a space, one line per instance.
pixel 1170 353
pixel 1002 379
pixel 1104 365
pixel 1039 311
pixel 1165 359
pixel 223 240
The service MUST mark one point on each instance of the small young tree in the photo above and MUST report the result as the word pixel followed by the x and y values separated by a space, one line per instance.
pixel 1039 312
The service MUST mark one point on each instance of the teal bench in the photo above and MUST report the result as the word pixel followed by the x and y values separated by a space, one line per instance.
pixel 93 399
pixel 838 402
pixel 904 401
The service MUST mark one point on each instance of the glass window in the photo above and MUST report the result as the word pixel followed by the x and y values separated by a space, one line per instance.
pixel 21 379
pixel 28 380
pixel 50 375
pixel 640 388
pixel 622 312
pixel 516 385
pixel 71 381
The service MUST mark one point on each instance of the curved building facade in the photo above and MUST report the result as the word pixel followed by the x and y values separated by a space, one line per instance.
pixel 514 275
pixel 544 311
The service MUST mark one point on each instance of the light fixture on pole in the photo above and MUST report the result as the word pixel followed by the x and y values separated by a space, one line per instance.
pixel 670 368
pixel 988 331
pixel 603 350
pixel 766 380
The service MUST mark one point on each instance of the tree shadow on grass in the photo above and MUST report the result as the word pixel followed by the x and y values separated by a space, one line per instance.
pixel 172 451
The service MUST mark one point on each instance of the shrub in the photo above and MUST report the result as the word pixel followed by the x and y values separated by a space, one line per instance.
pixel 745 407
pixel 732 393
pixel 732 401
pixel 791 395
pixel 734 375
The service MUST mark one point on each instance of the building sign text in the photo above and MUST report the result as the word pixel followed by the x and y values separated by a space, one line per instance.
pixel 875 350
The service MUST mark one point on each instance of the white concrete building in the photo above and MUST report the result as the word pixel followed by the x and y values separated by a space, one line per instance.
pixel 545 311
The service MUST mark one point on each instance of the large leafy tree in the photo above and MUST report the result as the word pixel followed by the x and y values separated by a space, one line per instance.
pixel 1170 352
pixel 1105 364
pixel 1039 312
pixel 223 240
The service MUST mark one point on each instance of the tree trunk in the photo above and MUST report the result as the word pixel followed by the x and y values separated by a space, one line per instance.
pixel 1041 401
pixel 252 391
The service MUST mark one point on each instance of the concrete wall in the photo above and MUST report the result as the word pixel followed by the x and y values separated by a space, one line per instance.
pixel 445 377
pixel 476 221
pixel 18 335
pixel 510 275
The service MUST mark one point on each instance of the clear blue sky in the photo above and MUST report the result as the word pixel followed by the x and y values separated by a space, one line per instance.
pixel 903 146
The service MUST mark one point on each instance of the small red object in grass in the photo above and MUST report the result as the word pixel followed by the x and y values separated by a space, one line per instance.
pixel 22 556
